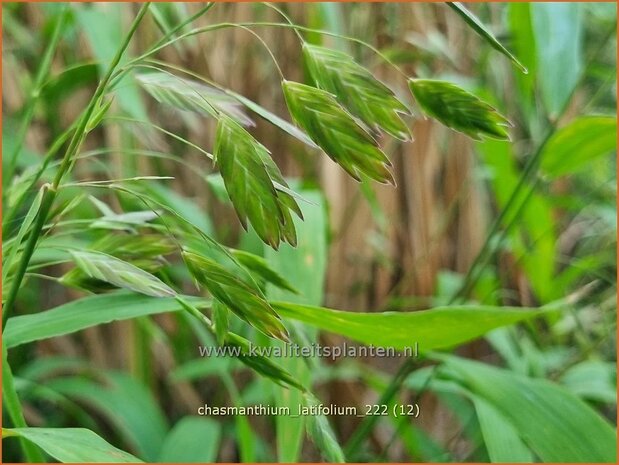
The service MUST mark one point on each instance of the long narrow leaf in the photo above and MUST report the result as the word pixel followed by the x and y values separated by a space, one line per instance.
pixel 501 437
pixel 186 441
pixel 124 402
pixel 87 312
pixel 9 258
pixel 557 425
pixel 559 30
pixel 480 29
pixel 575 146
pixel 404 329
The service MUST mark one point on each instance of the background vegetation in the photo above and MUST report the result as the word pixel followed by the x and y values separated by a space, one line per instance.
pixel 477 225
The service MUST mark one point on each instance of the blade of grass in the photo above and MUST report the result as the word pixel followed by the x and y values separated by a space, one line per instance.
pixel 87 312
pixel 49 194
pixel 26 223
pixel 474 22
pixel 73 445
pixel 125 403
pixel 185 442
pixel 405 330
pixel 549 418
pixel 501 437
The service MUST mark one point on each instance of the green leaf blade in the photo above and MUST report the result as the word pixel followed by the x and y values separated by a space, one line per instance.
pixel 73 445
pixel 402 330
pixel 558 30
pixel 87 312
pixel 191 440
pixel 500 436
pixel 124 402
pixel 557 425
pixel 579 143
pixel 483 31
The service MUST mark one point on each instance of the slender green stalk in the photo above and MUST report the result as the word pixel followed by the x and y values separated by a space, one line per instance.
pixel 487 249
pixel 368 422
pixel 529 172
pixel 245 25
pixel 163 42
pixel 80 132
pixel 193 311
pixel 181 25
pixel 11 404
pixel 49 194
pixel 51 191
pixel 42 73
pixel 9 394
pixel 164 131
pixel 403 420
pixel 287 18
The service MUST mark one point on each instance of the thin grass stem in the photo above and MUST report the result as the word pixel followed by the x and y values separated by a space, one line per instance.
pixel 12 406
pixel 51 190
pixel 295 27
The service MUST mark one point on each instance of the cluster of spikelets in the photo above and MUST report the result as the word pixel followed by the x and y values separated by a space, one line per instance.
pixel 344 112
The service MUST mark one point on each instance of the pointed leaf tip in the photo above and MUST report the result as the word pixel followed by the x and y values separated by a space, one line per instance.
pixel 474 22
